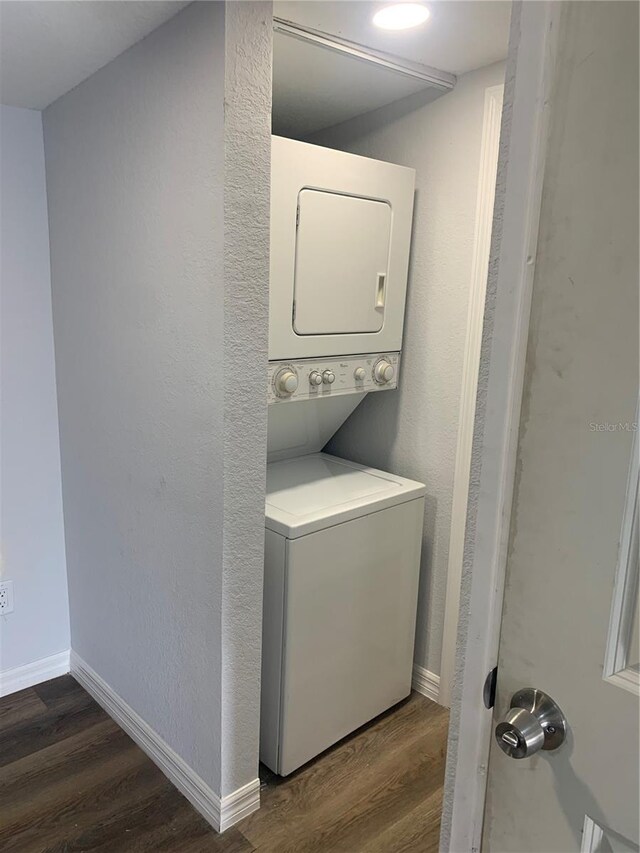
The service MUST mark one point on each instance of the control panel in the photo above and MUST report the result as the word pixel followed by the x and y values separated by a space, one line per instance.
pixel 315 378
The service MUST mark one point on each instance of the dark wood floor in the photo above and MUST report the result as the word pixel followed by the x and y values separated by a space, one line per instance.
pixel 71 780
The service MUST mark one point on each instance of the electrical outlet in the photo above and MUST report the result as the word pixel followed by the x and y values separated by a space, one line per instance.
pixel 6 597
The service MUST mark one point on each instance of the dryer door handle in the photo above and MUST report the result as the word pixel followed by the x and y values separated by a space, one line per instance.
pixel 381 290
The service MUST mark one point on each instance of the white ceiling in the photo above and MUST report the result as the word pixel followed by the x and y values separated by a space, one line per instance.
pixel 460 35
pixel 48 48
pixel 315 88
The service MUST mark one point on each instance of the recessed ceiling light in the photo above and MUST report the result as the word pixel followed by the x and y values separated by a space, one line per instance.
pixel 401 16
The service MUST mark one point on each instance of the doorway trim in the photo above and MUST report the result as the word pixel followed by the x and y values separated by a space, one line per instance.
pixel 625 586
pixel 523 145
pixel 493 99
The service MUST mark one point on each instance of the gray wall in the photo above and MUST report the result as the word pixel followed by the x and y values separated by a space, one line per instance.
pixel 31 522
pixel 162 580
pixel 247 188
pixel 414 431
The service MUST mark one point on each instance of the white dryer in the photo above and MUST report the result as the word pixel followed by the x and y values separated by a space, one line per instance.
pixel 340 239
pixel 341 581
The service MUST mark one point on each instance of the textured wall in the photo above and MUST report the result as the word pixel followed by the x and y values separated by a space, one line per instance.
pixel 158 171
pixel 247 178
pixel 31 523
pixel 135 173
pixel 414 431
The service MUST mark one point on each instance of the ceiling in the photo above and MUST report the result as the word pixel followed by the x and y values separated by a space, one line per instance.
pixel 315 88
pixel 460 35
pixel 48 48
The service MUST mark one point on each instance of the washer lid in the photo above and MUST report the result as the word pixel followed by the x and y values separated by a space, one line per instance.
pixel 314 492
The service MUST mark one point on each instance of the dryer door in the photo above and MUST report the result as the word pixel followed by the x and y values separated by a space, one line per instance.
pixel 340 237
pixel 341 265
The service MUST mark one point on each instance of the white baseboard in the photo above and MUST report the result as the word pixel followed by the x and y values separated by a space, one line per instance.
pixel 425 682
pixel 221 813
pixel 21 677
pixel 240 803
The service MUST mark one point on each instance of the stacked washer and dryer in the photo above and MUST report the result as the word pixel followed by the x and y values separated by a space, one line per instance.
pixel 342 548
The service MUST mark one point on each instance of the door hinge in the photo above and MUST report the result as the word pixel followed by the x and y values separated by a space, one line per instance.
pixel 297 216
pixel 293 312
pixel 489 689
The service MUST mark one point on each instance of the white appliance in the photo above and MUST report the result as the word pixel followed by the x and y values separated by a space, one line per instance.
pixel 342 541
pixel 319 394
pixel 340 239
pixel 342 563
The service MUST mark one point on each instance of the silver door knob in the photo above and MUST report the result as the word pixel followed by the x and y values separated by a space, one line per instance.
pixel 533 722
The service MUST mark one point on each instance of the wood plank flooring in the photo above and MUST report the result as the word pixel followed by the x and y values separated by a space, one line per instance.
pixel 71 780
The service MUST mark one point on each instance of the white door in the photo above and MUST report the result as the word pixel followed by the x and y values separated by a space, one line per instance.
pixel 571 586
pixel 342 259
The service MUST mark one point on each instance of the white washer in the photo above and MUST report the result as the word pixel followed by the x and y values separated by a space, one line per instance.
pixel 342 563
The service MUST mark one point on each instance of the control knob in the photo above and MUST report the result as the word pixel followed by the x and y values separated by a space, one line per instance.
pixel 286 382
pixel 315 378
pixel 328 377
pixel 359 374
pixel 383 372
